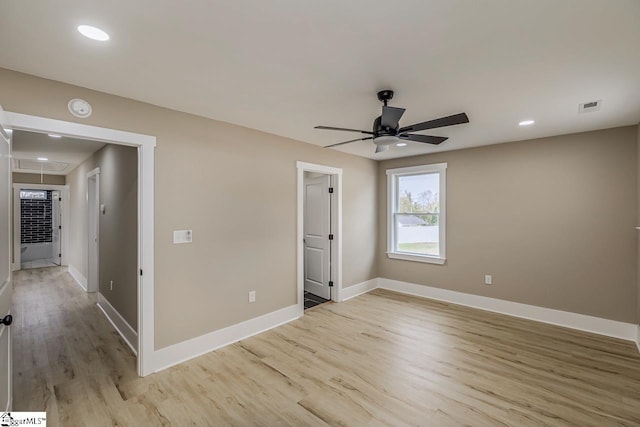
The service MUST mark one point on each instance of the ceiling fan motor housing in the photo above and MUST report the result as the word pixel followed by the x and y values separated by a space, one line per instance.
pixel 379 130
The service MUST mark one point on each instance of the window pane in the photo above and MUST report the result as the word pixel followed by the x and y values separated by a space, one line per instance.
pixel 33 194
pixel 418 233
pixel 419 193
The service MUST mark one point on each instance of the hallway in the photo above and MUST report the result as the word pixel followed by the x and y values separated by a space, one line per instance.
pixel 65 350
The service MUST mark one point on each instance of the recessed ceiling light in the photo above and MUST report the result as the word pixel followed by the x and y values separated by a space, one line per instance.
pixel 401 144
pixel 42 159
pixel 93 33
pixel 53 135
pixel 526 122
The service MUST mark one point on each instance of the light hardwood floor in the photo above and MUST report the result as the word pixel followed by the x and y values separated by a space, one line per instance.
pixel 378 359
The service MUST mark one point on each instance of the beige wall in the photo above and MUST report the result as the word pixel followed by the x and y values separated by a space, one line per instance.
pixel 34 178
pixel 551 219
pixel 236 189
pixel 118 241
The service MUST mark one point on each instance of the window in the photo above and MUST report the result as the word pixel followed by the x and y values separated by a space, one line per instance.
pixel 33 194
pixel 416 213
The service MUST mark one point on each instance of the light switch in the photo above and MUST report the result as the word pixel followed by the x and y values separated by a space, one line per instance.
pixel 182 236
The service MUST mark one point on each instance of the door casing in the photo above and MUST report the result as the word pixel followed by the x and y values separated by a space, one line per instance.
pixel 6 285
pixel 336 208
pixel 93 235
pixel 147 360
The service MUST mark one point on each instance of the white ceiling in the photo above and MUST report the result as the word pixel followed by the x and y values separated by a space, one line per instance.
pixel 63 154
pixel 285 66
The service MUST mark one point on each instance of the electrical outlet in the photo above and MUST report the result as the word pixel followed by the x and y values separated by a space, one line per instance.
pixel 252 296
pixel 111 285
pixel 488 279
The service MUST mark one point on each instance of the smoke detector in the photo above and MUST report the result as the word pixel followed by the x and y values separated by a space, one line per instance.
pixel 590 106
pixel 80 108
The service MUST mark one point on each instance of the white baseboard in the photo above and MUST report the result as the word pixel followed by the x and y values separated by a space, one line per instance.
pixel 597 325
pixel 638 337
pixel 78 277
pixel 190 349
pixel 358 289
pixel 128 334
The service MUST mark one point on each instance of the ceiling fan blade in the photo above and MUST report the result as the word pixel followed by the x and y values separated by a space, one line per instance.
pixel 381 148
pixel 344 129
pixel 346 142
pixel 391 116
pixel 428 139
pixel 456 119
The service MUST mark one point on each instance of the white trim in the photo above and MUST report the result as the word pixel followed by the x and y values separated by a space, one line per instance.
pixel 415 170
pixel 417 258
pixel 336 264
pixel 17 213
pixel 638 337
pixel 392 184
pixel 146 154
pixel 190 349
pixel 359 289
pixel 27 122
pixel 93 249
pixel 78 277
pixel 128 334
pixel 597 325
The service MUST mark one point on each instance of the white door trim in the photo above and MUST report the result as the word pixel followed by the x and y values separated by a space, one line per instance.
pixel 336 255
pixel 17 232
pixel 93 285
pixel 146 152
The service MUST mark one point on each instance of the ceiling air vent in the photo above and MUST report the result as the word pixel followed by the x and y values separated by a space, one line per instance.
pixel 26 164
pixel 588 107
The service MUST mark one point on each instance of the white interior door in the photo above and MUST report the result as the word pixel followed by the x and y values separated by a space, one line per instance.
pixel 5 267
pixel 317 217
pixel 56 226
pixel 93 198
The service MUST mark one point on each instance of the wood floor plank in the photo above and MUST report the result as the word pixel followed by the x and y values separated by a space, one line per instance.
pixel 381 359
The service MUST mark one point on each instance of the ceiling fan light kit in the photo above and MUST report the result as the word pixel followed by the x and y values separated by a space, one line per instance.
pixel 387 131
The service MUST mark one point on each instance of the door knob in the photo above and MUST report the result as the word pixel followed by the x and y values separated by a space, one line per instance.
pixel 8 320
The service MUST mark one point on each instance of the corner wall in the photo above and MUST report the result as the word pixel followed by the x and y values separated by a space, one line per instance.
pixel 552 219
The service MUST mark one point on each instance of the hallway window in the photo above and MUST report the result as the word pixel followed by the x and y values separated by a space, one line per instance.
pixel 33 194
pixel 416 213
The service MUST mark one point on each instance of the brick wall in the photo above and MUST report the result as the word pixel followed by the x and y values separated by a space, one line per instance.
pixel 36 220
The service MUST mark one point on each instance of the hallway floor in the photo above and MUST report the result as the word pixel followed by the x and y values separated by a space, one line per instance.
pixel 379 359
pixel 68 359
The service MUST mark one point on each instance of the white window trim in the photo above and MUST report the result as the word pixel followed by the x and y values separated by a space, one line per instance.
pixel 440 168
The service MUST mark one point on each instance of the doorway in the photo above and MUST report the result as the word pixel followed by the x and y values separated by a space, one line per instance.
pixel 319 234
pixel 40 228
pixel 318 239
pixel 145 146
pixel 93 221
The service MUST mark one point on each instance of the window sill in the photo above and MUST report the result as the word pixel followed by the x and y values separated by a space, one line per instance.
pixel 417 258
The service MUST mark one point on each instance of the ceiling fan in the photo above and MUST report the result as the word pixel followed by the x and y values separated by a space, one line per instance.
pixel 387 130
